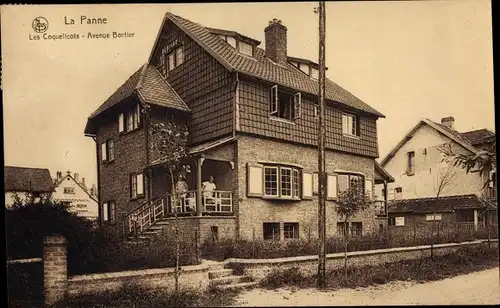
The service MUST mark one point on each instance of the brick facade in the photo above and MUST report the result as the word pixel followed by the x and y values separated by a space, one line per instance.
pixel 130 157
pixel 254 211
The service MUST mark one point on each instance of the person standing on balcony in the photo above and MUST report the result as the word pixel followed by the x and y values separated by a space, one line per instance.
pixel 181 189
pixel 208 188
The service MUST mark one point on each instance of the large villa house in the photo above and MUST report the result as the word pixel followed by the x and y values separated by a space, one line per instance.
pixel 252 115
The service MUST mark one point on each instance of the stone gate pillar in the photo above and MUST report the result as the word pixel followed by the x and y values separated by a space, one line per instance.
pixel 55 269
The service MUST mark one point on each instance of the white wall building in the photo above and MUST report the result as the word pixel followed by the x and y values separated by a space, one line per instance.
pixel 70 190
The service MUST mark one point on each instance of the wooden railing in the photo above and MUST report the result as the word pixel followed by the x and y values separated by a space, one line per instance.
pixel 490 193
pixel 151 211
pixel 217 201
pixel 146 215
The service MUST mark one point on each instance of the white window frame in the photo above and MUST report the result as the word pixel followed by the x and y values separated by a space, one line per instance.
pixel 281 169
pixel 104 151
pixel 314 73
pixel 349 124
pixel 430 217
pixel 248 51
pixel 293 231
pixel 296 183
pixel 105 214
pixel 273 100
pixel 297 105
pixel 276 168
pixel 349 175
pixel 136 185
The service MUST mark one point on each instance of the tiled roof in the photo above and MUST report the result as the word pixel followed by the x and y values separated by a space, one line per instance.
pixel 442 204
pixel 479 136
pixel 263 68
pixel 27 179
pixel 152 88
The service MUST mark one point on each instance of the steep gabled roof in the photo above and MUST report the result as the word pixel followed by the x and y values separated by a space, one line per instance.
pixel 262 67
pixel 450 133
pixel 57 183
pixel 150 86
pixel 382 175
pixel 24 179
pixel 439 205
pixel 479 136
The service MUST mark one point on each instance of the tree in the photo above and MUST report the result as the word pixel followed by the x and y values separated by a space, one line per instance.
pixel 169 141
pixel 350 202
pixel 443 180
pixel 481 162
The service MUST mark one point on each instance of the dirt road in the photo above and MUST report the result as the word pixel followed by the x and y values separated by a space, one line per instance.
pixel 476 288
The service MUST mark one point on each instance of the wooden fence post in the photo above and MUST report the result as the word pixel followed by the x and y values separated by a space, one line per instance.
pixel 55 269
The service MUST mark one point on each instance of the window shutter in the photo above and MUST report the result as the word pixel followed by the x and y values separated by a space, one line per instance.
pixel 140 184
pixel 105 212
pixel 138 116
pixel 273 100
pixel 121 123
pixel 104 155
pixel 307 185
pixel 297 101
pixel 315 183
pixel 343 180
pixel 331 189
pixel 492 178
pixel 255 183
pixel 369 189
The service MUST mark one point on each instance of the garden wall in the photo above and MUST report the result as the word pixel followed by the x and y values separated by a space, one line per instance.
pixel 258 269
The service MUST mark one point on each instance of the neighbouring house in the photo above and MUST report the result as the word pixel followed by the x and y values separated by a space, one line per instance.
pixel 464 210
pixel 421 170
pixel 25 181
pixel 73 192
pixel 252 117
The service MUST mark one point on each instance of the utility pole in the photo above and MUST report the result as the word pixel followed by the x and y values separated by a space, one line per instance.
pixel 321 154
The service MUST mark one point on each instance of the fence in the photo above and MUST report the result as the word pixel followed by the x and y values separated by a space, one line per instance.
pixel 306 244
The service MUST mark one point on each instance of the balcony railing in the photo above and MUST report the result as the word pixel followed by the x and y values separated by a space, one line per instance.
pixel 217 201
pixel 490 193
pixel 143 217
pixel 379 207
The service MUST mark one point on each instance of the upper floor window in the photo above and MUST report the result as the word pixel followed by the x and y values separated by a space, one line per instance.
pixel 350 124
pixel 398 193
pixel 284 105
pixel 108 150
pixel 136 185
pixel 69 190
pixel 410 167
pixel 129 120
pixel 281 182
pixel 307 68
pixel 175 58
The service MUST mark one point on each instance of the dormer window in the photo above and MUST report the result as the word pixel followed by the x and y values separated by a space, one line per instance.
pixel 240 46
pixel 307 68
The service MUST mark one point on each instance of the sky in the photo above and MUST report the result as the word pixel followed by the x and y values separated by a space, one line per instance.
pixel 407 59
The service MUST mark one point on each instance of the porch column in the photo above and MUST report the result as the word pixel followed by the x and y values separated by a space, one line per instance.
pixel 385 199
pixel 475 220
pixel 199 163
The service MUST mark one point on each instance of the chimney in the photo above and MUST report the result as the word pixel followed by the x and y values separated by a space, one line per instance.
pixel 448 122
pixel 276 45
pixel 83 181
pixel 93 190
pixel 59 175
pixel 76 176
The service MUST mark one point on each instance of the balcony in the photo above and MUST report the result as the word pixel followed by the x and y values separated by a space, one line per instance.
pixel 210 203
pixel 490 193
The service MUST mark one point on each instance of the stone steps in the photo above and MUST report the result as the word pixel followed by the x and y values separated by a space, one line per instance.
pixel 238 286
pixel 224 278
pixel 218 273
pixel 233 279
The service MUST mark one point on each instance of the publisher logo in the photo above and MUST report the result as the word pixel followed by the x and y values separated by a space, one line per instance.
pixel 40 24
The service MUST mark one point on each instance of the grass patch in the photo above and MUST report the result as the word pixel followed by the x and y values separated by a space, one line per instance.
pixel 463 261
pixel 133 295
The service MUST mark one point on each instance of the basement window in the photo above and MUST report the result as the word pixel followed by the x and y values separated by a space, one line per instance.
pixel 271 230
pixel 284 105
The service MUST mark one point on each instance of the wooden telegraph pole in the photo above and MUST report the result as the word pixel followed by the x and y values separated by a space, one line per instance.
pixel 321 147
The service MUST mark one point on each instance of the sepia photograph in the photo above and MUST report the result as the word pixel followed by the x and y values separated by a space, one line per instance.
pixel 322 153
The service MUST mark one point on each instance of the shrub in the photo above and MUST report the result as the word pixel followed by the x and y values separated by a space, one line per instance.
pixel 283 277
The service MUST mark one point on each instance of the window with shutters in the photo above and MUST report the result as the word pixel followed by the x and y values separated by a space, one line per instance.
pixel 136 185
pixel 271 230
pixel 129 120
pixel 347 180
pixel 284 105
pixel 109 212
pixel 282 182
pixel 108 151
pixel 350 124
pixel 172 58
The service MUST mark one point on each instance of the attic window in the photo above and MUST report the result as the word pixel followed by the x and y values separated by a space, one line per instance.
pixel 306 69
pixel 239 45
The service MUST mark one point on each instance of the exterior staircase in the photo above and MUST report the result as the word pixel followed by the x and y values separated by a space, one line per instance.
pixel 223 278
pixel 156 228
